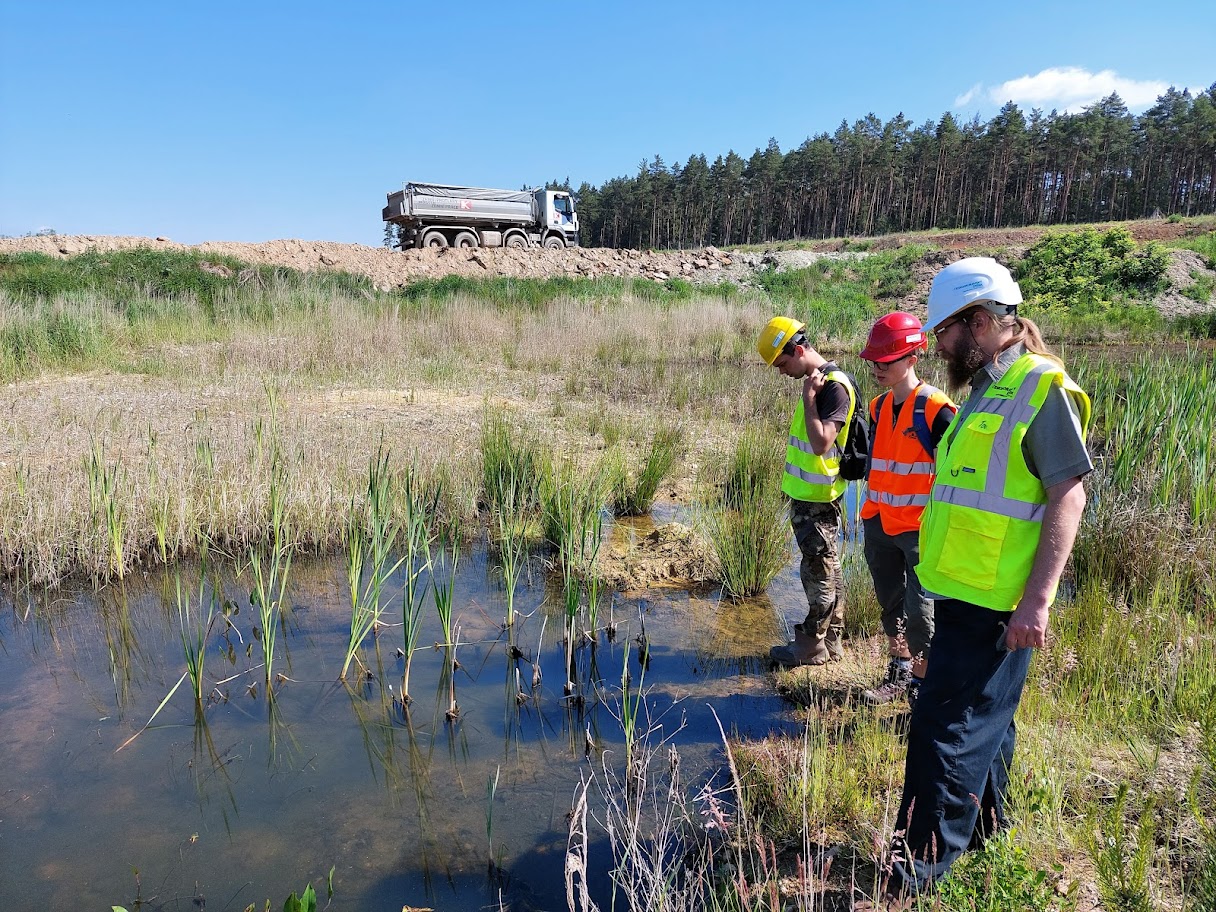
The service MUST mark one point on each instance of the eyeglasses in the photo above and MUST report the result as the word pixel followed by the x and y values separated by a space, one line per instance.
pixel 937 333
pixel 893 360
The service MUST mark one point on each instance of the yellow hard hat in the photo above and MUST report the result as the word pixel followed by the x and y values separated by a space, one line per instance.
pixel 775 336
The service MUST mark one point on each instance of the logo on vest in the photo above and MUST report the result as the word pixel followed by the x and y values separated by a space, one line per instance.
pixel 966 470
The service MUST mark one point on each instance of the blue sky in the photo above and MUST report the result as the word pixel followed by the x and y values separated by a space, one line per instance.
pixel 252 121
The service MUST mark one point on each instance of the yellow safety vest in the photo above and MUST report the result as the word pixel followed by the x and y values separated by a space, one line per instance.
pixel 808 476
pixel 980 531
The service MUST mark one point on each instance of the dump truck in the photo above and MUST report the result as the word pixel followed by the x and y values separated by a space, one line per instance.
pixel 443 215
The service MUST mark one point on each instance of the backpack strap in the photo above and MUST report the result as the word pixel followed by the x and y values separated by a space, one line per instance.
pixel 877 405
pixel 920 424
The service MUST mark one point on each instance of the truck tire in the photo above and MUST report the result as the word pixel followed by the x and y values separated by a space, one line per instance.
pixel 434 238
pixel 465 239
pixel 553 242
pixel 517 240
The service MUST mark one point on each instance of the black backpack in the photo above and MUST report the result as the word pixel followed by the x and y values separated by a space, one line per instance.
pixel 855 455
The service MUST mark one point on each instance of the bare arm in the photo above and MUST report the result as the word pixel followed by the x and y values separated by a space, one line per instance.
pixel 819 433
pixel 1062 517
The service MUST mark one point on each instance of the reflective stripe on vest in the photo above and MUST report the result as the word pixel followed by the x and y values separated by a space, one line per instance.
pixel 901 470
pixel 897 500
pixel 808 476
pixel 981 529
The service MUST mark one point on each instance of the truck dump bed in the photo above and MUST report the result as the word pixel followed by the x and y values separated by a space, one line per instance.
pixel 418 203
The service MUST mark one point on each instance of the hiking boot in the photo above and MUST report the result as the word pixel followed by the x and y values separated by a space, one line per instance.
pixel 894 685
pixel 913 691
pixel 804 650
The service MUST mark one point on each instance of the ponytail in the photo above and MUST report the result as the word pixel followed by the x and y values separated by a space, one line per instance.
pixel 1025 331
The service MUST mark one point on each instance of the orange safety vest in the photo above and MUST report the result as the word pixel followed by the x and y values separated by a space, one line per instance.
pixel 901 469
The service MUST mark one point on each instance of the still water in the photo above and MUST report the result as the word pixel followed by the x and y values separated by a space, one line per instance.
pixel 256 797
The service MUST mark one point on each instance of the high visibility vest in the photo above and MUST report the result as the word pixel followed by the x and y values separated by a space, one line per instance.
pixel 980 531
pixel 901 469
pixel 810 477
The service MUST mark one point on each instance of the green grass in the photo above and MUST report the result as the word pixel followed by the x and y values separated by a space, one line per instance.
pixel 745 516
pixel 1203 244
pixel 633 493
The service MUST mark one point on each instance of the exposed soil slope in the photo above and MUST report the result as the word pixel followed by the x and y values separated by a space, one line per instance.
pixel 388 269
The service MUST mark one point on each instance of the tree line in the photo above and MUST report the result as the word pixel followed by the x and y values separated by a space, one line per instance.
pixel 1103 163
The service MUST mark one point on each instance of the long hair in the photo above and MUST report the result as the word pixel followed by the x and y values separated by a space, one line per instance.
pixel 1025 331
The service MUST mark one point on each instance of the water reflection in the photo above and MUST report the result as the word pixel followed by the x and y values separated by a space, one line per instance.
pixel 256 791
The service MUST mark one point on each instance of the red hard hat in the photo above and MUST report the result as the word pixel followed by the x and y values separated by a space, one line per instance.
pixel 893 336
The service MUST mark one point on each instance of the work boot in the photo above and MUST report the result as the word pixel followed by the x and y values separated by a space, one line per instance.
pixel 804 650
pixel 894 685
pixel 834 644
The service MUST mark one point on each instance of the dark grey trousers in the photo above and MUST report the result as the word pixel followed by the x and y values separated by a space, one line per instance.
pixel 892 560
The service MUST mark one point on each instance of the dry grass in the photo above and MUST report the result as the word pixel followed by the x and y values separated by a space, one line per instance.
pixel 189 426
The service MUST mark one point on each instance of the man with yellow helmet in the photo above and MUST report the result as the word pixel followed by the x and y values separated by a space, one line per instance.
pixel 998 529
pixel 813 483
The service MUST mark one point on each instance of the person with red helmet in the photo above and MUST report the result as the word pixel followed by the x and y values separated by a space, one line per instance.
pixel 907 419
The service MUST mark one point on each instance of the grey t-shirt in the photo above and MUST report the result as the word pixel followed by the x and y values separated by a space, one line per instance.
pixel 1054 447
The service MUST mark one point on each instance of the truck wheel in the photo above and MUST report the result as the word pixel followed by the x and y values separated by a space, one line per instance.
pixel 553 242
pixel 465 239
pixel 434 239
pixel 517 240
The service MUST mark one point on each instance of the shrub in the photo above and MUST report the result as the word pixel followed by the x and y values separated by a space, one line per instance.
pixel 1090 268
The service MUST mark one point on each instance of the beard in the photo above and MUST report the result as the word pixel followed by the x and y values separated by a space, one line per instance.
pixel 962 363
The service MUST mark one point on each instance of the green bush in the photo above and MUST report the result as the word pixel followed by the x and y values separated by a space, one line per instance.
pixel 1091 268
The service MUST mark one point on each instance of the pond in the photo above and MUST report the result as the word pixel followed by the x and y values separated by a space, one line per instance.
pixel 255 797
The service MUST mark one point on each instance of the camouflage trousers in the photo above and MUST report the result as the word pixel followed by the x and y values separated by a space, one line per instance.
pixel 817 531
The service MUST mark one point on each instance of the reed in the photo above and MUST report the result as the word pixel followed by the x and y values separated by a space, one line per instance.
pixel 742 512
pixel 418 512
pixel 108 508
pixel 371 535
pixel 443 582
pixel 634 495
pixel 513 466
pixel 193 628
pixel 572 508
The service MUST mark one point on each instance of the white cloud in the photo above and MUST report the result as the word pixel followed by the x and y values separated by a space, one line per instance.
pixel 965 99
pixel 1066 89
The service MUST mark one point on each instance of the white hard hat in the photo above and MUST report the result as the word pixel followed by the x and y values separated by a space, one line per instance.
pixel 975 280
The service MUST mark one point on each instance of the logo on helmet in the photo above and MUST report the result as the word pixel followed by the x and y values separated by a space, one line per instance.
pixel 973 285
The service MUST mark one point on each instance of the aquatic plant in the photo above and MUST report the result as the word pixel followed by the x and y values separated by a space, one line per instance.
pixel 371 534
pixel 634 495
pixel 745 520
pixel 509 538
pixel 443 582
pixel 108 508
pixel 193 628
pixel 419 511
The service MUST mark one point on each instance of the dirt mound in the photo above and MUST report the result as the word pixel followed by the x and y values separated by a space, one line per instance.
pixel 388 269
pixel 391 268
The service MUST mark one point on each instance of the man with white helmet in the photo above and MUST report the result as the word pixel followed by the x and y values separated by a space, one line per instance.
pixel 1000 524
pixel 812 481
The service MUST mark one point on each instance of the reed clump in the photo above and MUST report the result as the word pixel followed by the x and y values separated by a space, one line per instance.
pixel 744 516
